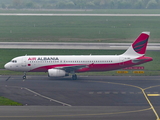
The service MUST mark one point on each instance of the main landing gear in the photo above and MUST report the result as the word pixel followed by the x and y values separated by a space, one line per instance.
pixel 74 77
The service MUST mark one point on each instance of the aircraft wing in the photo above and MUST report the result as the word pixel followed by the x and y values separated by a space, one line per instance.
pixel 72 68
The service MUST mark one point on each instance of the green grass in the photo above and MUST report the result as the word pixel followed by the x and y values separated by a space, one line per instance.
pixel 76 29
pixel 6 102
pixel 151 68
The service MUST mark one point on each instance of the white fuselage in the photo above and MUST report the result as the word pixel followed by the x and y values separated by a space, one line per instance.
pixel 94 63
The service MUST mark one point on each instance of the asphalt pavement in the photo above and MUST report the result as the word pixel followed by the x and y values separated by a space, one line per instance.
pixel 88 98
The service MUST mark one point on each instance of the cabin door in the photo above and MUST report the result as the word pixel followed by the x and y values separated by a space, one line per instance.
pixel 24 62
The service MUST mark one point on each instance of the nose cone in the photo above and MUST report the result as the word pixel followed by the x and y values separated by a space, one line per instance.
pixel 7 66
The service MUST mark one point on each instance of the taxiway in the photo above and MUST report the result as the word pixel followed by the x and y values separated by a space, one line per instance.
pixel 89 97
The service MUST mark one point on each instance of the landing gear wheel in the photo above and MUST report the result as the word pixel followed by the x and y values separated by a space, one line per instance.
pixel 24 77
pixel 74 77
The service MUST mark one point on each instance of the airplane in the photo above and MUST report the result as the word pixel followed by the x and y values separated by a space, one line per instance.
pixel 61 66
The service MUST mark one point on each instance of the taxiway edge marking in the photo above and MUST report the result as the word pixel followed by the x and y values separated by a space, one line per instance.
pixel 64 104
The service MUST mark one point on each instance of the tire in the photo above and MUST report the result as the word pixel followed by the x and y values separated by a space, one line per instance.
pixel 74 77
pixel 24 77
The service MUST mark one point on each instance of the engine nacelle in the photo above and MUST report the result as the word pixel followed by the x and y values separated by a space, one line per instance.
pixel 56 73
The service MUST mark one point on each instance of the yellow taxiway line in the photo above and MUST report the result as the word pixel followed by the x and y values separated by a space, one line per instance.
pixel 153 95
pixel 143 91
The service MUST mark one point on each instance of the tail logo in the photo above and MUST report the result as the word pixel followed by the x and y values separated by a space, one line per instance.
pixel 140 44
pixel 140 47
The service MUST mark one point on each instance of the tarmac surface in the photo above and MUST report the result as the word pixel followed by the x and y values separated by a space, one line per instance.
pixel 88 98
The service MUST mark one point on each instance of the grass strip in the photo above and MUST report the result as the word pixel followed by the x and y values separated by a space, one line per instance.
pixel 76 29
pixel 7 102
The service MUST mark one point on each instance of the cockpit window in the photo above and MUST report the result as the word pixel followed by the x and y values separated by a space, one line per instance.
pixel 14 61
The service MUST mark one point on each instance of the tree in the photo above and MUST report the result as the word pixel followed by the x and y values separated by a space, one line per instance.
pixel 112 4
pixel 80 4
pixel 90 4
pixel 17 3
pixel 61 4
pixel 70 4
pixel 29 5
pixel 3 6
pixel 124 4
pixel 103 4
pixel 152 4
pixel 139 4
pixel 66 4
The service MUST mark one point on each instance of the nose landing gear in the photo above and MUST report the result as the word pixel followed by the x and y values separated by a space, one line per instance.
pixel 24 76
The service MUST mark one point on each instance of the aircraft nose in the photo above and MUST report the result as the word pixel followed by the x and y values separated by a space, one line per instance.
pixel 7 66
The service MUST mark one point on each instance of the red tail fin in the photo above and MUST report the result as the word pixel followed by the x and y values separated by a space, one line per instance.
pixel 141 43
pixel 138 47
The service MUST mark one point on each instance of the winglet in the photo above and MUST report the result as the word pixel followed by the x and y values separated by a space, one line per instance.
pixel 139 46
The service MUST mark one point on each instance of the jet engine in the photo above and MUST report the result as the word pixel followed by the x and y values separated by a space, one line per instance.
pixel 56 73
